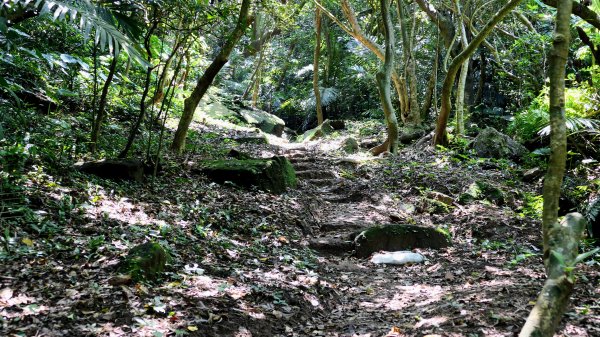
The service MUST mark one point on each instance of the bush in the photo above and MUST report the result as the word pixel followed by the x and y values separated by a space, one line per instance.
pixel 580 104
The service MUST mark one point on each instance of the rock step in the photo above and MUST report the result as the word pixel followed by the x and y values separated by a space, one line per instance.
pixel 354 196
pixel 304 166
pixel 294 160
pixel 339 244
pixel 314 174
pixel 345 225
pixel 321 182
pixel 296 154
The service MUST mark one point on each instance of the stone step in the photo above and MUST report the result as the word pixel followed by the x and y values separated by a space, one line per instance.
pixel 304 166
pixel 334 245
pixel 350 226
pixel 321 182
pixel 354 196
pixel 315 174
pixel 302 160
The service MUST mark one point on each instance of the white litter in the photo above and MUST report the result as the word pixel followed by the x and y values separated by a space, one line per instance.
pixel 403 257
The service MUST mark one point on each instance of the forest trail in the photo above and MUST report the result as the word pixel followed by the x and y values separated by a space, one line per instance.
pixel 465 290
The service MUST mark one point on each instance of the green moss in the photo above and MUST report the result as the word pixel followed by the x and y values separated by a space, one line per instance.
pixel 274 174
pixel 433 206
pixel 399 237
pixel 481 190
pixel 146 261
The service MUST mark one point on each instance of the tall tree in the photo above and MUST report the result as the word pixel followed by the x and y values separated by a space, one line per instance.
pixel 316 65
pixel 191 103
pixel 561 240
pixel 101 112
pixel 384 79
pixel 462 79
pixel 441 136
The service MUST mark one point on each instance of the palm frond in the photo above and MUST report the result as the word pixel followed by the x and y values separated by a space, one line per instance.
pixel 576 125
pixel 86 16
pixel 328 96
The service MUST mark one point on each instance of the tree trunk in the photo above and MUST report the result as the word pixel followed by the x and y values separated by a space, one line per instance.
pixel 482 77
pixel 384 79
pixel 257 68
pixel 431 85
pixel 462 80
pixel 356 32
pixel 561 241
pixel 191 103
pixel 142 113
pixel 441 136
pixel 579 9
pixel 101 114
pixel 443 22
pixel 316 66
pixel 286 66
pixel 410 113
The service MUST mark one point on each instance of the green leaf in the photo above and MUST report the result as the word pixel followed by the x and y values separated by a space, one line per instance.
pixel 581 257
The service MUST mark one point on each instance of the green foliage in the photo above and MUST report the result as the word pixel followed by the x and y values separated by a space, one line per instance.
pixel 86 16
pixel 580 104
pixel 532 206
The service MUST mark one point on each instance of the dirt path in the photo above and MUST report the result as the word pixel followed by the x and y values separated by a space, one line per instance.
pixel 241 264
pixel 466 290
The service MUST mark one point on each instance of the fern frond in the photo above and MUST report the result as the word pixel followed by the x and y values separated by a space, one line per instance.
pixel 592 210
pixel 328 96
pixel 576 125
pixel 107 36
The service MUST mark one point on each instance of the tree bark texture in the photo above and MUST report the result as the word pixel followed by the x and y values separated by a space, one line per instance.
pixel 554 297
pixel 317 55
pixel 384 79
pixel 410 112
pixel 579 9
pixel 561 240
pixel 191 103
pixel 558 134
pixel 441 136
pixel 462 79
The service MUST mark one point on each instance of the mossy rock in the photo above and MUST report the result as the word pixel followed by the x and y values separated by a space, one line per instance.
pixel 265 121
pixel 481 190
pixel 318 132
pixel 490 143
pixel 114 169
pixel 399 237
pixel 274 174
pixel 432 206
pixel 350 145
pixel 145 262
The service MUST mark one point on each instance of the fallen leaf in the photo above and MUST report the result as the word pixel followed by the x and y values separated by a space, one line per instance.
pixel 27 241
pixel 192 328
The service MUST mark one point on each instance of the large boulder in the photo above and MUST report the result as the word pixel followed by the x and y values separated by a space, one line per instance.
pixel 145 262
pixel 218 110
pixel 274 174
pixel 115 169
pixel 490 143
pixel 399 237
pixel 265 121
